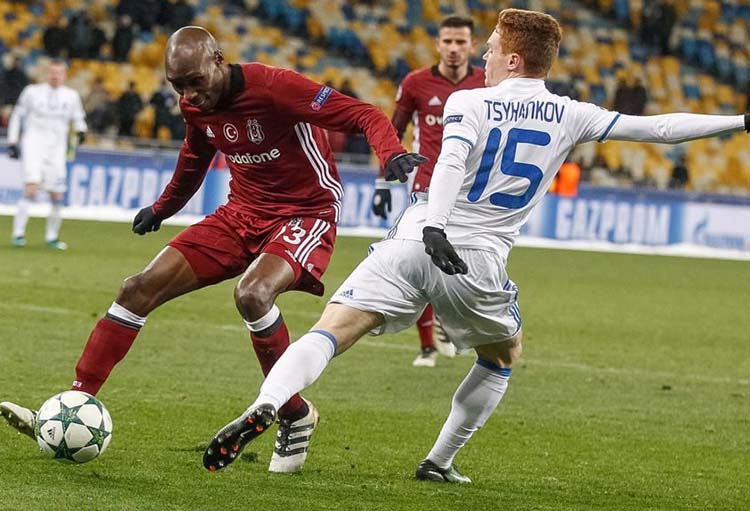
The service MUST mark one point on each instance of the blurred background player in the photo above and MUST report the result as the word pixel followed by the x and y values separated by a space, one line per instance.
pixel 41 121
pixel 277 229
pixel 420 100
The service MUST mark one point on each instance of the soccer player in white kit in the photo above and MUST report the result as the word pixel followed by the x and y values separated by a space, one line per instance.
pixel 502 145
pixel 44 113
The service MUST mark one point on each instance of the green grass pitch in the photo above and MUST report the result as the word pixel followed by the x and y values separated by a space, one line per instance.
pixel 633 392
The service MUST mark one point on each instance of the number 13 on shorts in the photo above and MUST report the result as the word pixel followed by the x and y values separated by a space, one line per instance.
pixel 302 236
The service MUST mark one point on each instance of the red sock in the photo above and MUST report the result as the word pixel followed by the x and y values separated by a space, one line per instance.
pixel 108 343
pixel 269 349
pixel 424 327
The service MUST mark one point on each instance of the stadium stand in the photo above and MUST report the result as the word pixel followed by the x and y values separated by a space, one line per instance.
pixel 700 65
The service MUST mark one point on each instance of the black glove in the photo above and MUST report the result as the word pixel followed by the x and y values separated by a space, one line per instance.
pixel 381 201
pixel 443 255
pixel 747 123
pixel 400 165
pixel 13 152
pixel 146 221
pixel 81 137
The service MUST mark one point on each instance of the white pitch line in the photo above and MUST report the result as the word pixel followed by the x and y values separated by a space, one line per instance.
pixel 577 366
pixel 666 375
pixel 30 307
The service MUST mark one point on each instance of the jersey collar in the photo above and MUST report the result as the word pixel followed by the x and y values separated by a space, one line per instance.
pixel 531 83
pixel 436 73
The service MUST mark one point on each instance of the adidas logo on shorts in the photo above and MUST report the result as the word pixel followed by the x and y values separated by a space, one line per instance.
pixel 348 293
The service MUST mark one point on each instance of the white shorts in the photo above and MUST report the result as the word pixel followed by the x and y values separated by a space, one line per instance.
pixel 44 166
pixel 398 280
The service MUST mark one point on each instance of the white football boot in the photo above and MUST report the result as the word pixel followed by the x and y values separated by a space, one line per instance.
pixel 426 358
pixel 292 442
pixel 20 418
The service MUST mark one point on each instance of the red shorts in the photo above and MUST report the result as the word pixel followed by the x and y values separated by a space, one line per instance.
pixel 223 245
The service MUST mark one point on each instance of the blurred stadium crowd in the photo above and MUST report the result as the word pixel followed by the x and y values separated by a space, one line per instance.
pixel 635 56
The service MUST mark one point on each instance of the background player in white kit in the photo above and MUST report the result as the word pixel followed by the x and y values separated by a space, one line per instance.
pixel 501 147
pixel 44 113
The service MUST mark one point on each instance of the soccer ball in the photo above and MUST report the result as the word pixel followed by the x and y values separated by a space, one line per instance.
pixel 73 426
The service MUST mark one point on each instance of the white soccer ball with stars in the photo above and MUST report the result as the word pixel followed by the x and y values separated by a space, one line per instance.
pixel 73 426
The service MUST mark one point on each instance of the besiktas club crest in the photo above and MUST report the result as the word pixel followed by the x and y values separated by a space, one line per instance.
pixel 254 131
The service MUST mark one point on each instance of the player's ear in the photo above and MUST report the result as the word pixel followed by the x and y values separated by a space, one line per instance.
pixel 219 57
pixel 515 62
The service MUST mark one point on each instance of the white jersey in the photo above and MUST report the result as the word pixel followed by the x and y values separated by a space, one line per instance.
pixel 501 148
pixel 517 134
pixel 45 114
pixel 503 145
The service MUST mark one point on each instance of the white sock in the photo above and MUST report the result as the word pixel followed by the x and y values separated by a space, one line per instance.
pixel 21 218
pixel 266 321
pixel 473 403
pixel 301 364
pixel 120 314
pixel 54 221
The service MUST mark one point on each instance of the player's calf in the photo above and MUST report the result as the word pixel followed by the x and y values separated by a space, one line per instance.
pixel 229 442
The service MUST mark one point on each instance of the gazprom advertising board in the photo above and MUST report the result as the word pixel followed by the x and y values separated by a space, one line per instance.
pixel 127 181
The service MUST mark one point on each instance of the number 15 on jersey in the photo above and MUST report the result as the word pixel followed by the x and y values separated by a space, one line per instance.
pixel 509 167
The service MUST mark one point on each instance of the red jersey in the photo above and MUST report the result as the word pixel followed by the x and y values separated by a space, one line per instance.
pixel 269 129
pixel 420 99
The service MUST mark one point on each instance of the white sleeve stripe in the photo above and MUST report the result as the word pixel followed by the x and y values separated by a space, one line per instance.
pixel 462 139
pixel 609 129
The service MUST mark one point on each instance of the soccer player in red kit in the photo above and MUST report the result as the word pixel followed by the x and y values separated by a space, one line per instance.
pixel 277 229
pixel 420 100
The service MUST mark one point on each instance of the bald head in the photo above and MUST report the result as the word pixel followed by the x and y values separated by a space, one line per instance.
pixel 195 67
pixel 190 43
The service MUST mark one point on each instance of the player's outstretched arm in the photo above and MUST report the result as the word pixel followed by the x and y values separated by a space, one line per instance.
pixel 308 101
pixel 676 128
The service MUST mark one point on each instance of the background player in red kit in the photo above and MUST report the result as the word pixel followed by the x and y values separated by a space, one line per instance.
pixel 420 99
pixel 277 229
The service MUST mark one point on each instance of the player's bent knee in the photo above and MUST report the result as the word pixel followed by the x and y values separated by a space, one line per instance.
pixel 137 296
pixel 504 353
pixel 347 324
pixel 253 298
